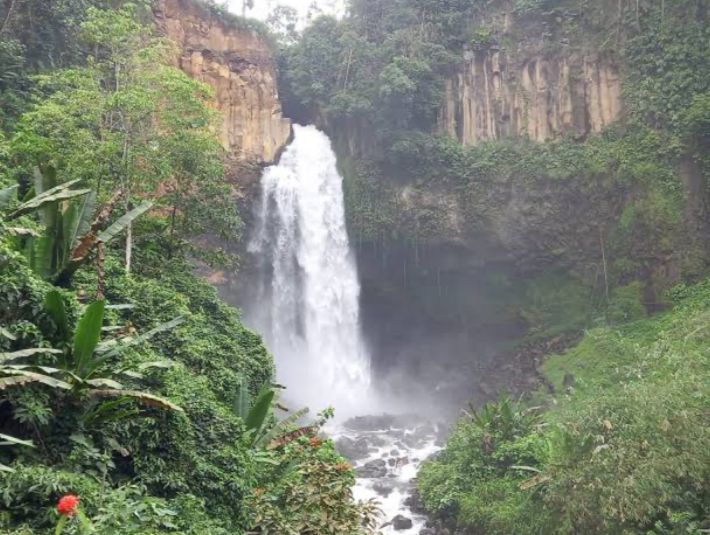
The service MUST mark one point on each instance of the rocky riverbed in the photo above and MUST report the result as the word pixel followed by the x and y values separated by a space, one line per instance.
pixel 386 452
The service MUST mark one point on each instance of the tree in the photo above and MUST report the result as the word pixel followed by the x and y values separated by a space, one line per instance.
pixel 283 21
pixel 129 121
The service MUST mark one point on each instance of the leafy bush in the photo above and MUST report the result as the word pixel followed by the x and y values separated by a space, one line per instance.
pixel 624 448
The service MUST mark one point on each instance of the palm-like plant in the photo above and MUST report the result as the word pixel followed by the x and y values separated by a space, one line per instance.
pixel 72 224
pixel 56 194
pixel 7 440
pixel 261 430
pixel 84 369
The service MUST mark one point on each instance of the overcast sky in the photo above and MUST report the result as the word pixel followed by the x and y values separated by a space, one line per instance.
pixel 262 8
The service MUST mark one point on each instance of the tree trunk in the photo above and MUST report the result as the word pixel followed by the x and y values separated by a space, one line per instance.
pixel 100 272
pixel 7 18
pixel 129 247
pixel 606 275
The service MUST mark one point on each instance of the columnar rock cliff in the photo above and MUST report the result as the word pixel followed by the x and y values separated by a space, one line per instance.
pixel 493 97
pixel 238 63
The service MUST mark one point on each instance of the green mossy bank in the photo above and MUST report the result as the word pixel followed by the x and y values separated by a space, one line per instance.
pixel 619 445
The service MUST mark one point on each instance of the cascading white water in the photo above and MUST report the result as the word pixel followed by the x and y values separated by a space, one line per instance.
pixel 307 302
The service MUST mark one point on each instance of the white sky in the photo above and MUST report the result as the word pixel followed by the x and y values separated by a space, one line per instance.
pixel 262 8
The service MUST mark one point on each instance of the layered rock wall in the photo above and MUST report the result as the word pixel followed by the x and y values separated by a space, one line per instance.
pixel 237 62
pixel 493 97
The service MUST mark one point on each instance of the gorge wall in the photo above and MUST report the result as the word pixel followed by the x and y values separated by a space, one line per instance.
pixel 238 63
pixel 541 98
pixel 539 198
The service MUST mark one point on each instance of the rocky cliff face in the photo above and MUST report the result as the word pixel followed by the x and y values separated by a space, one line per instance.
pixel 491 96
pixel 238 63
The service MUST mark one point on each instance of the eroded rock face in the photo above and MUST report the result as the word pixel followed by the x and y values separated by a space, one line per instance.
pixel 493 97
pixel 238 64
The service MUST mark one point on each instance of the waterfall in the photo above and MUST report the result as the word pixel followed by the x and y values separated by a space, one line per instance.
pixel 307 297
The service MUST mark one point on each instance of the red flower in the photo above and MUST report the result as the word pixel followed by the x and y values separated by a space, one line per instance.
pixel 67 505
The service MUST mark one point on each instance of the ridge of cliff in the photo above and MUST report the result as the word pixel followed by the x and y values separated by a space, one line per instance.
pixel 238 63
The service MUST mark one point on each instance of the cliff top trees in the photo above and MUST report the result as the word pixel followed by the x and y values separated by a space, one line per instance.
pixel 129 121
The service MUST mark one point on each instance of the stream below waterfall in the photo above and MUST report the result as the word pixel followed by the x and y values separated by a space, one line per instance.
pixel 386 452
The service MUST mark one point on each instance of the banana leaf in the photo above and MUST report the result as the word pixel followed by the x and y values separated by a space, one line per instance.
pixel 86 338
pixel 20 377
pixel 259 412
pixel 122 222
pixel 54 306
pixel 23 353
pixel 62 192
pixel 7 440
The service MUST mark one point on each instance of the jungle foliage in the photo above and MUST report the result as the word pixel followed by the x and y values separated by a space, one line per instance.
pixel 124 379
pixel 620 446
pixel 375 80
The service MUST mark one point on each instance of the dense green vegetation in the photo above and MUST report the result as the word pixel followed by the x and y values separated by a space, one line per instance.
pixel 123 378
pixel 126 381
pixel 611 222
pixel 620 446
pixel 375 81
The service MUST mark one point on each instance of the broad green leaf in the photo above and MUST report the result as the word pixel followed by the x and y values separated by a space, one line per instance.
pixel 121 306
pixel 112 328
pixel 85 213
pixel 156 364
pixel 142 397
pixel 62 192
pixel 19 377
pixel 40 254
pixel 22 232
pixel 527 469
pixel 132 374
pixel 122 222
pixel 108 383
pixel 7 334
pixel 242 401
pixel 45 369
pixel 23 353
pixel 54 306
pixel 258 413
pixel 7 440
pixel 87 335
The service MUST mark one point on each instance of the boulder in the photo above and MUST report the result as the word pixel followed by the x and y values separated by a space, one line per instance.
pixel 414 502
pixel 401 522
pixel 353 449
pixel 372 469
pixel 383 487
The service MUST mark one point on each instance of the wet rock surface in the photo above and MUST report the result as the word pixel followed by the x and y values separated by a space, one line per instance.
pixel 353 449
pixel 401 522
pixel 372 469
pixel 386 451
